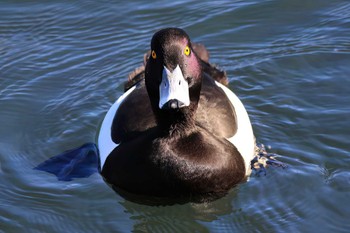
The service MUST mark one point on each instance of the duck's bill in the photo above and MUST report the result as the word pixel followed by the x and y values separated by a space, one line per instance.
pixel 173 90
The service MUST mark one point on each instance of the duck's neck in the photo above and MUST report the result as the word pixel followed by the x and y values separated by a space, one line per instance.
pixel 176 122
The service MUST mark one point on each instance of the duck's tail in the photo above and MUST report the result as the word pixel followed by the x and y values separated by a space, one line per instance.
pixel 76 163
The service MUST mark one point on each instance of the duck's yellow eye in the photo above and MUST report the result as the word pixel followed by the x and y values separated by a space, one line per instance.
pixel 154 55
pixel 187 51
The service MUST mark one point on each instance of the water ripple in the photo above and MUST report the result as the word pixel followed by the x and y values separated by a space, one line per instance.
pixel 64 63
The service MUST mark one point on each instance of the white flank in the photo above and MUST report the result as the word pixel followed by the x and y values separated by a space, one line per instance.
pixel 244 139
pixel 105 142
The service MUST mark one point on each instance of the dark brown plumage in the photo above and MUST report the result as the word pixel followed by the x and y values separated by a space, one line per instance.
pixel 177 153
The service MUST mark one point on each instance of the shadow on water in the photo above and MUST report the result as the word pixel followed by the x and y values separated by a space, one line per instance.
pixel 189 217
pixel 76 163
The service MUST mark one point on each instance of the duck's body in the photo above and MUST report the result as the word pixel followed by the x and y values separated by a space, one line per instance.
pixel 179 132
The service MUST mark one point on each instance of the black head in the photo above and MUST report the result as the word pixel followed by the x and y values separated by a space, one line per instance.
pixel 173 74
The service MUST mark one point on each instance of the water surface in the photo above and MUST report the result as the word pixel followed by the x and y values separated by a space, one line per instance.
pixel 63 63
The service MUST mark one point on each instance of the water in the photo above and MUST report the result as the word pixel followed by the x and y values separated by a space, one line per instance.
pixel 63 64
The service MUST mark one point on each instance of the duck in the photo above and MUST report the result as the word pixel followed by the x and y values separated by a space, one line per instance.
pixel 177 131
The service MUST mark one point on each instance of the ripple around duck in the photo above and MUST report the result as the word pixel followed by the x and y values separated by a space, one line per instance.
pixel 178 218
pixel 63 64
pixel 297 113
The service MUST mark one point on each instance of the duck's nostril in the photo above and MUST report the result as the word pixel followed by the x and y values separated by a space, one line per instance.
pixel 173 104
pixel 189 80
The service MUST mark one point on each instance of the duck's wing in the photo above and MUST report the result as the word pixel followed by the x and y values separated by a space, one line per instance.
pixel 134 115
pixel 211 69
pixel 215 111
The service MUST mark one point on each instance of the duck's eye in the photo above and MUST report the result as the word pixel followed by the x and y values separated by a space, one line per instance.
pixel 154 55
pixel 187 51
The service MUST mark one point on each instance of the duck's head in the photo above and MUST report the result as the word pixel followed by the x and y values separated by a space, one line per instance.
pixel 173 73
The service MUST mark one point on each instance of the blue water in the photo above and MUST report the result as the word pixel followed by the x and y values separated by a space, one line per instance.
pixel 63 63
